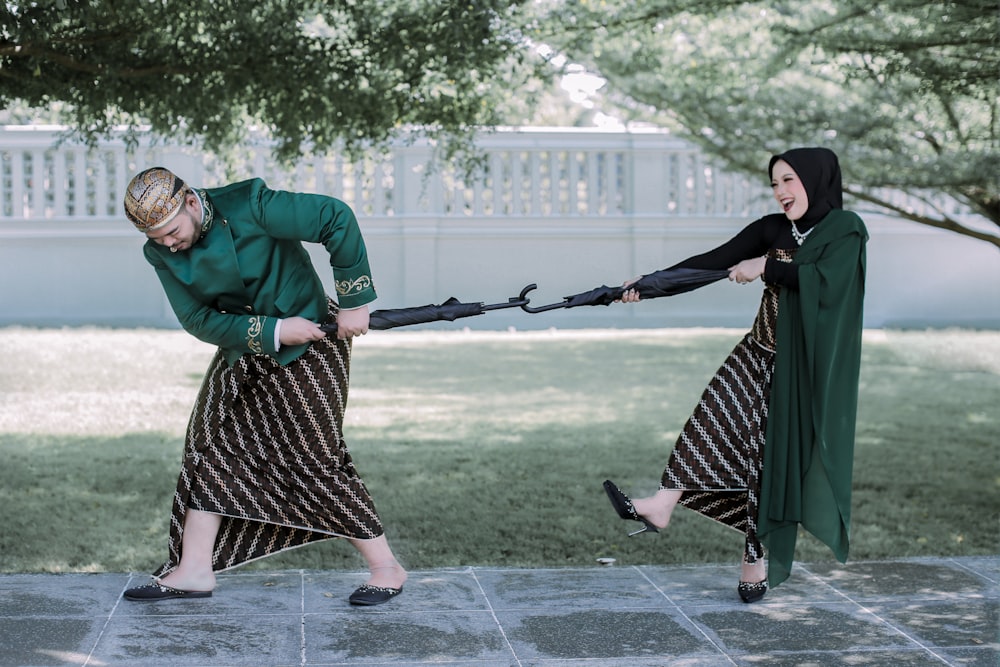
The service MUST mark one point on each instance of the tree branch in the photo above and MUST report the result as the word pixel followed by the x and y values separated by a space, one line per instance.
pixel 89 68
pixel 619 23
pixel 946 223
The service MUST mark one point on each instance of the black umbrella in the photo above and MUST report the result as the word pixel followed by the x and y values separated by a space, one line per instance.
pixel 659 283
pixel 449 311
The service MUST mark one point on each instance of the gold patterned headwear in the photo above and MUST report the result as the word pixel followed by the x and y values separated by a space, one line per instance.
pixel 153 198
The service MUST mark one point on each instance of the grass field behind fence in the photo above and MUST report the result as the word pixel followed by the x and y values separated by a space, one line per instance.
pixel 484 448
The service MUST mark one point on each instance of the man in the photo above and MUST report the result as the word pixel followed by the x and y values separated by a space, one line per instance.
pixel 265 464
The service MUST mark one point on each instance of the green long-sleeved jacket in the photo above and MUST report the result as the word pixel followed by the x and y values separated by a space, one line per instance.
pixel 250 268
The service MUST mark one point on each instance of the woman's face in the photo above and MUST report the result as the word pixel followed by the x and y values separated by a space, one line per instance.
pixel 789 191
pixel 184 230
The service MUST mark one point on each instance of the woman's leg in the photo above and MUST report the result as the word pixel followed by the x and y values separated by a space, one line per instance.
pixel 194 572
pixel 754 569
pixel 386 572
pixel 659 507
pixel 753 573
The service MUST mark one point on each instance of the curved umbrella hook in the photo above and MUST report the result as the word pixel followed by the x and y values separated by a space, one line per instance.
pixel 538 309
pixel 513 302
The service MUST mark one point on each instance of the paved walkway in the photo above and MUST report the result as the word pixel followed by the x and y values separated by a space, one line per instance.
pixel 905 612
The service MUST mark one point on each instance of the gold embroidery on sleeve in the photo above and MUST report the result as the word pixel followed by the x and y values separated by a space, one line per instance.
pixel 254 332
pixel 345 287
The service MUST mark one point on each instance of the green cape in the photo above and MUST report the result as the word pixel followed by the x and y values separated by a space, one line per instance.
pixel 809 452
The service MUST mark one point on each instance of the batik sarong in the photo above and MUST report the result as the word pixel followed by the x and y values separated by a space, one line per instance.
pixel 265 450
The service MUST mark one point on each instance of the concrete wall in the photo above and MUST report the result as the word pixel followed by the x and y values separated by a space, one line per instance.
pixel 76 273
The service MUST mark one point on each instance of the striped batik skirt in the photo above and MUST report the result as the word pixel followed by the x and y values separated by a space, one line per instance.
pixel 718 457
pixel 265 450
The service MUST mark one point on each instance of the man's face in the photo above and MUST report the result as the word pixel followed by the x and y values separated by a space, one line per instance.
pixel 184 230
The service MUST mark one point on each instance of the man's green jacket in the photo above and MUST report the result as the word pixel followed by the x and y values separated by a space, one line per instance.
pixel 250 269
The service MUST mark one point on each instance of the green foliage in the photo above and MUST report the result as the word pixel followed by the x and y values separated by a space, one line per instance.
pixel 312 73
pixel 485 449
pixel 905 91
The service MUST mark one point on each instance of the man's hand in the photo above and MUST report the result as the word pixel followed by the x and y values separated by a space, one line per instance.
pixel 352 323
pixel 298 330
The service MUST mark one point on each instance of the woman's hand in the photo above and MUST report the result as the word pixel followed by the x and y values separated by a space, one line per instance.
pixel 748 270
pixel 629 295
pixel 352 323
pixel 299 330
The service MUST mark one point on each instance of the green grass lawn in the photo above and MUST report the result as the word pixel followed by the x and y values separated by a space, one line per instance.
pixel 484 448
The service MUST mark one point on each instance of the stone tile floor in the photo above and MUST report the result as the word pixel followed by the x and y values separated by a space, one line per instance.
pixel 902 612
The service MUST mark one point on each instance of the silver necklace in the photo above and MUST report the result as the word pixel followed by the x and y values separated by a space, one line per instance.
pixel 799 237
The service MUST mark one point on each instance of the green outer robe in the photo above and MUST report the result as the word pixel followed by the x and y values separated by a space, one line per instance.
pixel 809 450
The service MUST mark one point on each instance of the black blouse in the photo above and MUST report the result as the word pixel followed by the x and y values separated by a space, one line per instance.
pixel 770 232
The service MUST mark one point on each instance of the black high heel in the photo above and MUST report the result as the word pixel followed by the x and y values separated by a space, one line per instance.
pixel 626 510
pixel 751 591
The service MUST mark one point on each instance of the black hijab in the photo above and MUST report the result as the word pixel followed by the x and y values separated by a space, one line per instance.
pixel 819 171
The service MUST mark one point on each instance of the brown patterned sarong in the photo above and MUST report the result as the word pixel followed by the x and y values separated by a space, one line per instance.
pixel 265 450
pixel 718 457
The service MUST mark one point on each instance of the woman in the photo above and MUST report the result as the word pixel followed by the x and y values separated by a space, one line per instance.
pixel 265 467
pixel 771 443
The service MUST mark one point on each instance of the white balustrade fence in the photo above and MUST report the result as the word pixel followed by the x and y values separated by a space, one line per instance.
pixel 566 209
pixel 524 174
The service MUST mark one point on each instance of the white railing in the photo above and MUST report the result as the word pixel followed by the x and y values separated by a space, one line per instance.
pixel 543 173
pixel 42 180
pixel 532 173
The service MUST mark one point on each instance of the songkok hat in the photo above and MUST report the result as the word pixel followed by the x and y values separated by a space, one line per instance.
pixel 153 198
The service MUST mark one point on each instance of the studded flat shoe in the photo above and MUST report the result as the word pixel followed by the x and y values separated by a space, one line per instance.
pixel 368 595
pixel 155 591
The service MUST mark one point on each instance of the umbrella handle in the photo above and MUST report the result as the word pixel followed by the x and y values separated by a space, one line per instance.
pixel 538 309
pixel 512 302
